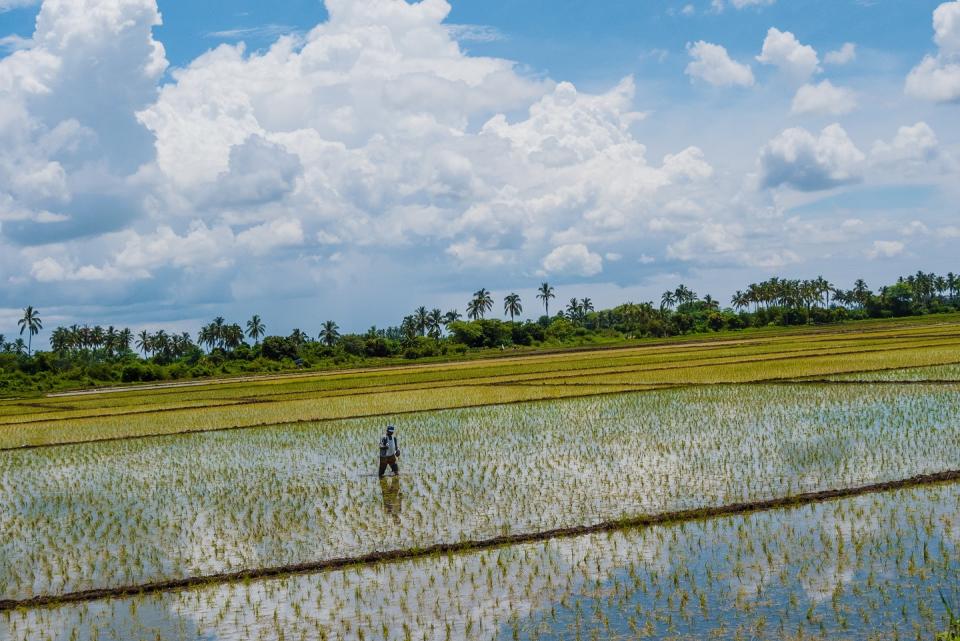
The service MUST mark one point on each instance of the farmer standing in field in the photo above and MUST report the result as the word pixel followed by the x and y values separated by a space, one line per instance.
pixel 389 452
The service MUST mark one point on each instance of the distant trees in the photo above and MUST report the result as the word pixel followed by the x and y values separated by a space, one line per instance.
pixel 220 335
pixel 92 352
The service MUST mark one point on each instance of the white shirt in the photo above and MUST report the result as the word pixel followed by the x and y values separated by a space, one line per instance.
pixel 389 442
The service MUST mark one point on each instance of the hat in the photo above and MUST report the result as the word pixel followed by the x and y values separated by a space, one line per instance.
pixel 390 429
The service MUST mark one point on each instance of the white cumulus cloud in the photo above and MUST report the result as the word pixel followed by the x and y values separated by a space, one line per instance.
pixel 712 64
pixel 913 147
pixel 574 259
pixel 937 77
pixel 783 50
pixel 798 159
pixel 824 98
pixel 844 55
pixel 885 249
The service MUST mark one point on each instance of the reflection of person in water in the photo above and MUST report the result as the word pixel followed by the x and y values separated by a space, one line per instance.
pixel 390 491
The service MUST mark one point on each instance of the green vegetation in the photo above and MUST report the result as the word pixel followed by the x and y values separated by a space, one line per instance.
pixel 952 633
pixel 82 356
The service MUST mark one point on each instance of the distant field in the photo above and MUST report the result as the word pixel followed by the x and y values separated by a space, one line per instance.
pixel 861 349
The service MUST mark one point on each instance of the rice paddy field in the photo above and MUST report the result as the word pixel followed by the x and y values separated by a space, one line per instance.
pixel 870 567
pixel 251 509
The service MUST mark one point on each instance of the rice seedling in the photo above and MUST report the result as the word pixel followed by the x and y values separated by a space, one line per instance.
pixel 108 514
pixel 865 568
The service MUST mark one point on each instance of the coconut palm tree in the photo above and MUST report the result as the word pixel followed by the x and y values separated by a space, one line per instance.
pixel 512 306
pixel 124 339
pixel 667 301
pixel 144 343
pixel 329 334
pixel 217 327
pixel 545 293
pixel 574 310
pixel 473 310
pixel 483 303
pixel 232 336
pixel 408 329
pixel 861 293
pixel 739 300
pixel 684 295
pixel 422 319
pixel 256 328
pixel 31 324
pixel 435 322
pixel 451 317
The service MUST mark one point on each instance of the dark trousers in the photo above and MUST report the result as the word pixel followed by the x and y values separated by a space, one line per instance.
pixel 388 460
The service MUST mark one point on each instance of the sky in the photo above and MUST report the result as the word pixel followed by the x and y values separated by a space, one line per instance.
pixel 163 162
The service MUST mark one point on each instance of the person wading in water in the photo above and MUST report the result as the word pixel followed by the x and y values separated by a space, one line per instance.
pixel 389 452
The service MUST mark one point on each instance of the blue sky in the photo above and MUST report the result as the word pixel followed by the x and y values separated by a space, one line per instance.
pixel 163 162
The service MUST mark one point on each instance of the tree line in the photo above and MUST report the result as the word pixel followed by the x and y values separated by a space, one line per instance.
pixel 221 346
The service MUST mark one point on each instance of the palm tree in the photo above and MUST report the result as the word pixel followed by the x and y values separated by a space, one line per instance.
pixel 124 339
pixel 683 295
pixel 408 329
pixel 435 322
pixel 512 306
pixel 739 300
pixel 422 319
pixel 144 344
pixel 824 288
pixel 545 293
pixel 256 328
pixel 31 324
pixel 232 336
pixel 329 333
pixel 667 300
pixel 586 305
pixel 574 311
pixel 451 317
pixel 217 328
pixel 473 310
pixel 482 303
pixel 160 343
pixel 861 293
